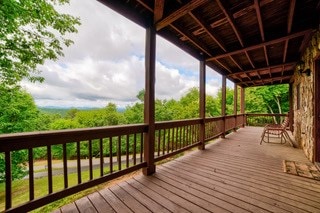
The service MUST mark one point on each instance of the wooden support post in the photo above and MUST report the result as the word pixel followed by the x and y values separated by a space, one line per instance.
pixel 291 107
pixel 235 106
pixel 243 106
pixel 149 101
pixel 202 103
pixel 223 104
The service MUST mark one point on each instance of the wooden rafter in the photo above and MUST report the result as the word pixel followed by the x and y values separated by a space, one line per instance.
pixel 158 10
pixel 203 26
pixel 282 39
pixel 179 13
pixel 249 59
pixel 145 5
pixel 192 40
pixel 225 67
pixel 304 42
pixel 239 13
pixel 231 21
pixel 257 7
pixel 285 51
pixel 235 62
pixel 266 54
pixel 292 64
pixel 290 15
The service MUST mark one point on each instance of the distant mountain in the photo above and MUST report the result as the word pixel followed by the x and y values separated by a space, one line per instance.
pixel 63 110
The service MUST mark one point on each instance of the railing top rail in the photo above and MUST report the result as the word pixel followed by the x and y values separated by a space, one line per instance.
pixel 171 124
pixel 265 114
pixel 16 141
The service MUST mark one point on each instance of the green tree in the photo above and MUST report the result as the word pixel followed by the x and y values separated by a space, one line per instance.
pixel 18 113
pixel 31 32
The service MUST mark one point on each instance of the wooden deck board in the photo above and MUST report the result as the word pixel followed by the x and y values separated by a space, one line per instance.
pixel 235 174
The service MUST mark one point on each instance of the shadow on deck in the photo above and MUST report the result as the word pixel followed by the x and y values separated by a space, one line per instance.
pixel 235 174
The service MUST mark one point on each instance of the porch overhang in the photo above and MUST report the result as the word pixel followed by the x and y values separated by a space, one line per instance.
pixel 253 43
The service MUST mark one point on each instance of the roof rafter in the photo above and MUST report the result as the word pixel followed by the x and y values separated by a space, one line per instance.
pixel 179 13
pixel 285 51
pixel 269 79
pixel 249 59
pixel 257 7
pixel 201 23
pixel 266 54
pixel 191 40
pixel 290 15
pixel 294 35
pixel 230 19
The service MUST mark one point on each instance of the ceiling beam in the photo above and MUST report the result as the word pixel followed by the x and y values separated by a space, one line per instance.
pixel 291 15
pixel 231 21
pixel 179 13
pixel 267 79
pixel 158 10
pixel 257 7
pixel 203 26
pixel 189 37
pixel 282 39
pixel 291 64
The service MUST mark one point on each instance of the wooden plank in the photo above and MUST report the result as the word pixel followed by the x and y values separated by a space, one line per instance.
pixel 128 200
pixel 174 197
pixel 257 7
pixel 84 205
pixel 100 203
pixel 114 201
pixel 159 198
pixel 70 208
pixel 219 205
pixel 143 199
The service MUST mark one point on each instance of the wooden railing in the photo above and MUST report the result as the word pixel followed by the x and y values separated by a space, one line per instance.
pixel 111 152
pixel 263 119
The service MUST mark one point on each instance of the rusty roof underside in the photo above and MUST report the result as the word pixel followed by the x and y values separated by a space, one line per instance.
pixel 252 42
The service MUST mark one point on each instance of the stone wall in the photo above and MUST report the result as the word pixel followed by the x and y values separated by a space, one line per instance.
pixel 304 116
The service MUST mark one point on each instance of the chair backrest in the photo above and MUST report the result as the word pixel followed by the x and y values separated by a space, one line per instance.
pixel 285 122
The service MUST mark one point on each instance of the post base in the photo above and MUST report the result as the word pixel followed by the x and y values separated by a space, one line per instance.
pixel 149 170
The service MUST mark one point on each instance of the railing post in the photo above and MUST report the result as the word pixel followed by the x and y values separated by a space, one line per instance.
pixel 291 107
pixel 235 106
pixel 202 103
pixel 223 105
pixel 149 99
pixel 243 106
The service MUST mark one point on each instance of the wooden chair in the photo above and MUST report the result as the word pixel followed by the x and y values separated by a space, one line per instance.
pixel 278 130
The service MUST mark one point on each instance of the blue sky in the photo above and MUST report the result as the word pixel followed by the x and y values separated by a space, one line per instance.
pixel 106 64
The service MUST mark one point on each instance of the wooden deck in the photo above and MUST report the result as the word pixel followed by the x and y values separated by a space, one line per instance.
pixel 235 174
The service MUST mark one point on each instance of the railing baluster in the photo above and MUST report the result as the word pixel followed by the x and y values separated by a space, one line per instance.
pixel 65 165
pixel 159 142
pixel 168 143
pixel 110 155
pixel 127 151
pixel 8 180
pixel 141 148
pixel 90 160
pixel 164 142
pixel 49 162
pixel 31 175
pixel 101 156
pixel 119 153
pixel 173 140
pixel 135 149
pixel 78 162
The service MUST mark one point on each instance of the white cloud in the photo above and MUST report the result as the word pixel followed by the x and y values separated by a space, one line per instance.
pixel 106 64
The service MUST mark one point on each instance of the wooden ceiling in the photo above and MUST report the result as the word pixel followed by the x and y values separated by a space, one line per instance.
pixel 252 42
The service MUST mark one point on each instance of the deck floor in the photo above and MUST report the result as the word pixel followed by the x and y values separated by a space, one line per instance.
pixel 235 174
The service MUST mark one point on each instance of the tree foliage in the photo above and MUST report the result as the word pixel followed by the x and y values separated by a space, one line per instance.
pixel 31 32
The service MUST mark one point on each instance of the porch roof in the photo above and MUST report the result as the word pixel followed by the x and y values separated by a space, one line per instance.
pixel 253 43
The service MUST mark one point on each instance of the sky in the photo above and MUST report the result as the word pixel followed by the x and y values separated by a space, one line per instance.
pixel 106 64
